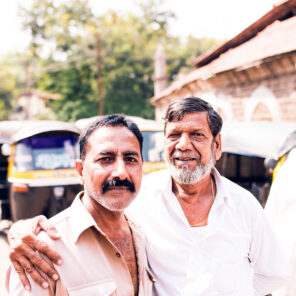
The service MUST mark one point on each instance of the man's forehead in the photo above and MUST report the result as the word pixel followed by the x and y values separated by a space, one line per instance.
pixel 113 139
pixel 109 131
pixel 195 120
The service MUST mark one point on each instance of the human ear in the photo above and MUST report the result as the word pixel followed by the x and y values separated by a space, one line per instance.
pixel 79 169
pixel 218 145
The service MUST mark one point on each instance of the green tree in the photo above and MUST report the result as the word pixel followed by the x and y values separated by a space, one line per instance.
pixel 64 46
pixel 12 81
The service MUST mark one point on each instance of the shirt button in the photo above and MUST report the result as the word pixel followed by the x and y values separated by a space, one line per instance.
pixel 118 255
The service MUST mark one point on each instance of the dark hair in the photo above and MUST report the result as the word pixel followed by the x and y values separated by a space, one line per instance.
pixel 108 120
pixel 177 110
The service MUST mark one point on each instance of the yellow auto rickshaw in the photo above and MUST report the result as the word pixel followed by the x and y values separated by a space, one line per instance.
pixel 41 171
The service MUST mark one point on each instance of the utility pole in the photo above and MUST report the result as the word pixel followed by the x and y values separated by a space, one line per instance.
pixel 99 64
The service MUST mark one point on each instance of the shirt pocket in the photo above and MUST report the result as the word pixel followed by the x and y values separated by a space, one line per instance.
pixel 226 277
pixel 98 288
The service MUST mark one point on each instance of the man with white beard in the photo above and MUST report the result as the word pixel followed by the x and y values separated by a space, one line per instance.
pixel 206 236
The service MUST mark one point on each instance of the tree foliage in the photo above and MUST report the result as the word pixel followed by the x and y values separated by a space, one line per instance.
pixel 11 83
pixel 64 46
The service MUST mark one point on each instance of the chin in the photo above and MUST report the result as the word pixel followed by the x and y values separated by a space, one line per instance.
pixel 116 205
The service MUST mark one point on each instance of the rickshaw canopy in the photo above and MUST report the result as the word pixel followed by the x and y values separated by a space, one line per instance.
pixel 260 138
pixel 18 130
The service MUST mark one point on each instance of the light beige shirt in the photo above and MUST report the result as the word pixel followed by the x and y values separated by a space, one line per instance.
pixel 92 264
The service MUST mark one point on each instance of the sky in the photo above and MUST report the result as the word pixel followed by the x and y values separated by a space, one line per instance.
pixel 221 19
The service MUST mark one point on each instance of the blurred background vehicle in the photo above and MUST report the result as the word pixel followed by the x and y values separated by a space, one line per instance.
pixel 4 203
pixel 41 175
pixel 246 148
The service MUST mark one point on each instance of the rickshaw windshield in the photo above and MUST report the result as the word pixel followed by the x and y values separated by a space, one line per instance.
pixel 47 152
pixel 153 146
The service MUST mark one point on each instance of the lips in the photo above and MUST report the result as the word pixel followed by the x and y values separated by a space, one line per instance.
pixel 117 188
pixel 184 158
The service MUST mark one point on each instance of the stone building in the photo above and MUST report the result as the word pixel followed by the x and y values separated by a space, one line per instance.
pixel 250 77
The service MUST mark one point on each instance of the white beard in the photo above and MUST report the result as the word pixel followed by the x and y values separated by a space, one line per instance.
pixel 185 176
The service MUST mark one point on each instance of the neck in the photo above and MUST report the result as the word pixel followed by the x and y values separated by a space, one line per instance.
pixel 192 193
pixel 105 219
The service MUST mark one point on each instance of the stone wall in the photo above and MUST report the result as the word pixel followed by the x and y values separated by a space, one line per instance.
pixel 263 91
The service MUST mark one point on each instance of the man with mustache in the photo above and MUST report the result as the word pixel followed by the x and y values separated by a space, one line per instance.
pixel 206 236
pixel 104 250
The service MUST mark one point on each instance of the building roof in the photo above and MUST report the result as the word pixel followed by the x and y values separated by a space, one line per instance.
pixel 270 36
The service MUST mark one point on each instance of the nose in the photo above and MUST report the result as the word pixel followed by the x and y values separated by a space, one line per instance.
pixel 119 170
pixel 184 142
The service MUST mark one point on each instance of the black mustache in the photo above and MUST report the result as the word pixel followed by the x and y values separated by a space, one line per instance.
pixel 119 183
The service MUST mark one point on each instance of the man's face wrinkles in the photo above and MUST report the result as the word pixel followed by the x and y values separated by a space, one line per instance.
pixel 112 169
pixel 190 148
pixel 185 175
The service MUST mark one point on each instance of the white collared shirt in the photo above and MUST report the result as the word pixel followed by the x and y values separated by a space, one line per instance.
pixel 236 254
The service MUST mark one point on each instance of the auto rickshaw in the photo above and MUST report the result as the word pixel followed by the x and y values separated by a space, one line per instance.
pixel 41 167
pixel 245 147
pixel 4 205
pixel 153 144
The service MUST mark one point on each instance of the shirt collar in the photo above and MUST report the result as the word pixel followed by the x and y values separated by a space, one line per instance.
pixel 80 219
pixel 222 194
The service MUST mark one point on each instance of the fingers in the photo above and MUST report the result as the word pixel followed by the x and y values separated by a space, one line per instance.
pixel 22 275
pixel 39 245
pixel 34 274
pixel 23 245
pixel 41 222
pixel 25 267
pixel 45 266
pixel 24 250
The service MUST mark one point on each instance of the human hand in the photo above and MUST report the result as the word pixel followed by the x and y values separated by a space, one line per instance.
pixel 24 243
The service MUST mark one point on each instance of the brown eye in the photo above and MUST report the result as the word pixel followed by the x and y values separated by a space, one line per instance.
pixel 131 159
pixel 106 159
pixel 173 136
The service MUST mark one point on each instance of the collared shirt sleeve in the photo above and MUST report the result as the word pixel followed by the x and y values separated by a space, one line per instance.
pixel 270 265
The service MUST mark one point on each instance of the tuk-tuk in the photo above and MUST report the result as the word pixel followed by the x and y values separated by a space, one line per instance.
pixel 41 167
pixel 246 146
pixel 4 205
pixel 153 145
